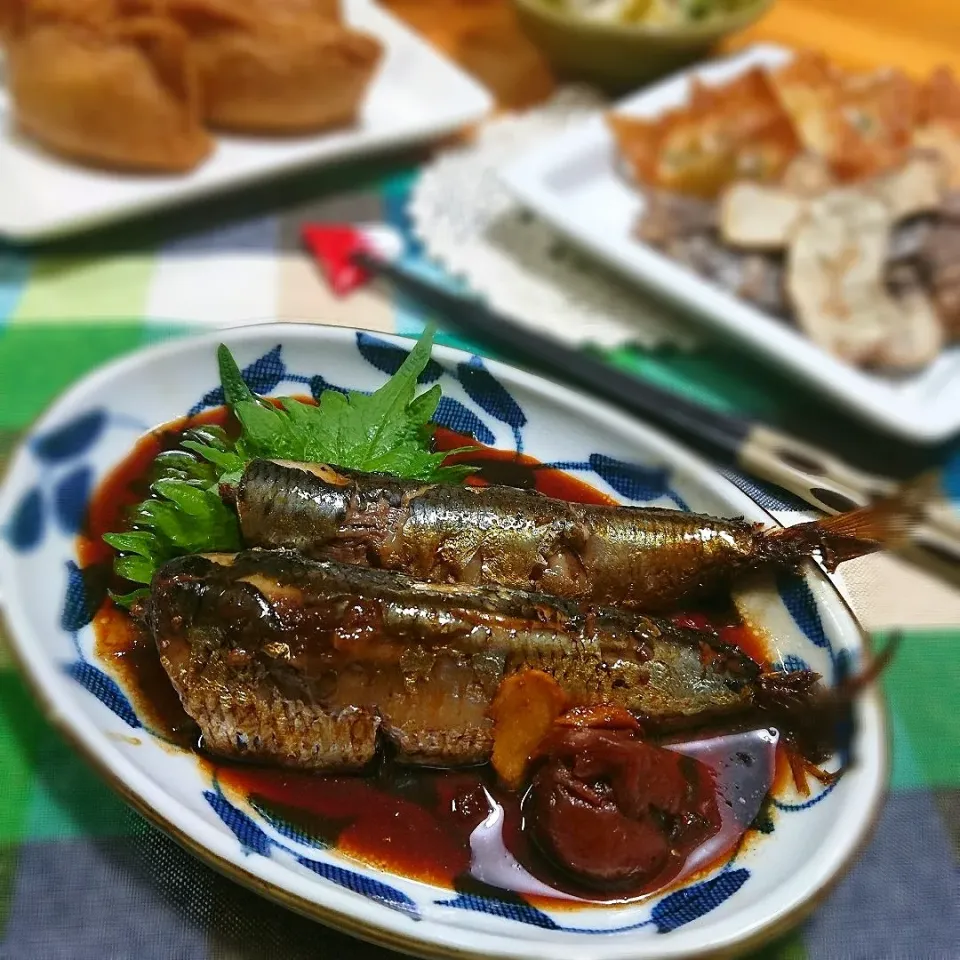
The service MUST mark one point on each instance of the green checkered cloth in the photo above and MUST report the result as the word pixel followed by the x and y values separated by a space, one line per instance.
pixel 82 877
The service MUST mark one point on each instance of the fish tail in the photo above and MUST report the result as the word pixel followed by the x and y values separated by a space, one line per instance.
pixel 884 524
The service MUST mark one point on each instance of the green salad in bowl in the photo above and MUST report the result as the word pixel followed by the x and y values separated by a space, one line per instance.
pixel 622 44
pixel 654 12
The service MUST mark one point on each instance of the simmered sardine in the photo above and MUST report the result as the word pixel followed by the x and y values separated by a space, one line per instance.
pixel 644 558
pixel 296 662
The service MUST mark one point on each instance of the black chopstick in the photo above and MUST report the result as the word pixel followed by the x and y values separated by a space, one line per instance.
pixel 720 435
pixel 748 445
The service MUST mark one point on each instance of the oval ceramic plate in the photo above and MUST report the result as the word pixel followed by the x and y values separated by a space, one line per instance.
pixel 765 887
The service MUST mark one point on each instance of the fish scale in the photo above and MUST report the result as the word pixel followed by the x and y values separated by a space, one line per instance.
pixel 314 664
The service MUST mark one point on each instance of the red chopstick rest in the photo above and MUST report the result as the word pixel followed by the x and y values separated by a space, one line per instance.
pixel 333 246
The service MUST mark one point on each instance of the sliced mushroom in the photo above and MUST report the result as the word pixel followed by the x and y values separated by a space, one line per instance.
pixel 943 140
pixel 669 216
pixel 859 226
pixel 916 336
pixel 835 280
pixel 808 175
pixel 917 187
pixel 758 217
pixel 834 268
pixel 843 259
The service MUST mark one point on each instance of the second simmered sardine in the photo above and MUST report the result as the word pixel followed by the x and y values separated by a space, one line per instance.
pixel 285 660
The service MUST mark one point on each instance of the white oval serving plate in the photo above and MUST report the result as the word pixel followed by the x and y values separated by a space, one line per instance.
pixel 769 885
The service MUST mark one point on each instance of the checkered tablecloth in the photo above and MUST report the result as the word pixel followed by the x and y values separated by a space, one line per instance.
pixel 84 878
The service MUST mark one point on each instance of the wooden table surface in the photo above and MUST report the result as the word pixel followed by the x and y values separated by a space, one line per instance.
pixel 915 35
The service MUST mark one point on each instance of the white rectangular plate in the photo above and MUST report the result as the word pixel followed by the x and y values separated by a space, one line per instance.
pixel 572 183
pixel 417 95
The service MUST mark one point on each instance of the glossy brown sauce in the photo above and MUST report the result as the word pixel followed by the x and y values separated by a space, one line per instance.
pixel 131 655
pixel 452 828
pixel 517 470
pixel 462 829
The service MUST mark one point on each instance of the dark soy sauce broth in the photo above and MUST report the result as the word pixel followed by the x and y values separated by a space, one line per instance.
pixel 455 828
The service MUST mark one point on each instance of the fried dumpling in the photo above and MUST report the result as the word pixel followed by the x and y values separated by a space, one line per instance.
pixel 276 69
pixel 115 92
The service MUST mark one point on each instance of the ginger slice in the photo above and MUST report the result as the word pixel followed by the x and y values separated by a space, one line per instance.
pixel 526 707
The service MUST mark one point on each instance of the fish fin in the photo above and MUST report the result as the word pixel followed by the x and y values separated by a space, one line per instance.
pixel 800 689
pixel 888 523
pixel 805 710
